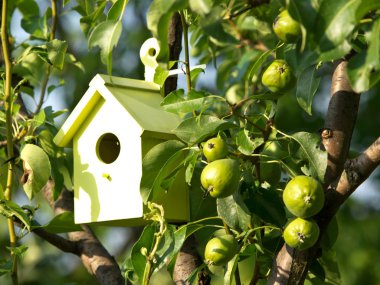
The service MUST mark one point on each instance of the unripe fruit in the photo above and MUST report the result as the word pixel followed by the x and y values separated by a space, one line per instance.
pixel 215 148
pixel 303 196
pixel 301 234
pixel 221 249
pixel 286 28
pixel 278 76
pixel 221 177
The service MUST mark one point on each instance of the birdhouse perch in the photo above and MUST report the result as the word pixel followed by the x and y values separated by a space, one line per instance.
pixel 116 122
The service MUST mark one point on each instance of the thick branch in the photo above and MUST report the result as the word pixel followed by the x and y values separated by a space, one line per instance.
pixel 94 256
pixel 57 240
pixel 174 41
pixel 340 121
pixel 357 170
pixel 291 266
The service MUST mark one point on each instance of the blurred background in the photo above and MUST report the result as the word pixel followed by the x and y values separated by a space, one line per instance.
pixel 358 246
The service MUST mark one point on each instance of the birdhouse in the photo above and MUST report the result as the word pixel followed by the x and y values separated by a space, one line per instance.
pixel 117 121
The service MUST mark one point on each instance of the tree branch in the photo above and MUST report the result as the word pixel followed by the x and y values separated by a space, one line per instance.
pixel 341 179
pixel 58 241
pixel 175 46
pixel 94 256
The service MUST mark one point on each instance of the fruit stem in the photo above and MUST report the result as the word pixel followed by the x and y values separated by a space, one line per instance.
pixel 226 228
pixel 210 189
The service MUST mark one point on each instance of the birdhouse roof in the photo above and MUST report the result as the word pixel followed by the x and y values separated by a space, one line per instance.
pixel 143 106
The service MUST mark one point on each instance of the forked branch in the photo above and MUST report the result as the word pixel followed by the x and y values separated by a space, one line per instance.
pixel 341 179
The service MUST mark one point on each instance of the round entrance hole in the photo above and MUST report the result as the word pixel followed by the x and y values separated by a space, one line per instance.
pixel 108 148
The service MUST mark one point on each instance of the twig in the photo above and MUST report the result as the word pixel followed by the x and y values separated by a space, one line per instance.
pixel 45 80
pixel 186 46
pixel 8 100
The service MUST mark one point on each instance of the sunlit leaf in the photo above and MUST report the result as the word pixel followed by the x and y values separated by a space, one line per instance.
pixel 337 19
pixel 36 169
pixel 115 12
pixel 246 144
pixel 61 223
pixel 361 65
pixel 56 50
pixel 10 209
pixel 196 129
pixel 106 36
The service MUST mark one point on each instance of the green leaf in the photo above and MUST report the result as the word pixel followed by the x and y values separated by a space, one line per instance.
pixel 1 192
pixel 145 241
pixel 304 12
pixel 197 129
pixel 337 19
pixel 106 35
pixel 361 65
pixel 165 250
pixel 158 18
pixel 157 164
pixel 192 160
pixel 36 25
pixel 161 73
pixel 330 265
pixel 183 233
pixel 91 13
pixel 5 267
pixel 201 7
pixel 19 251
pixel 266 204
pixel 28 8
pixel 10 209
pixel 234 212
pixel 337 52
pixel 317 269
pixel 307 86
pixel 310 149
pixel 116 11
pixel 259 63
pixel 36 169
pixel 62 223
pixel 56 50
pixel 230 270
pixel 174 98
pixel 174 105
pixel 245 144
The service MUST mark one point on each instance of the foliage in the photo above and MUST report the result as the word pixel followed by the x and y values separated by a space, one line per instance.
pixel 236 38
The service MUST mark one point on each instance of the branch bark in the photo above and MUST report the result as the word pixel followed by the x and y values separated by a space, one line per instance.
pixel 83 243
pixel 341 179
pixel 175 46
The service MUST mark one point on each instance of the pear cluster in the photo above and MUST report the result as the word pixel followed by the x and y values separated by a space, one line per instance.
pixel 304 197
pixel 221 176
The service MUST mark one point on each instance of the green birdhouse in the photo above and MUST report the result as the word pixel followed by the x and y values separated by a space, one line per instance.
pixel 117 121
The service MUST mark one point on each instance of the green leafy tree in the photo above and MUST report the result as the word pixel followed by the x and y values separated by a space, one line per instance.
pixel 261 96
